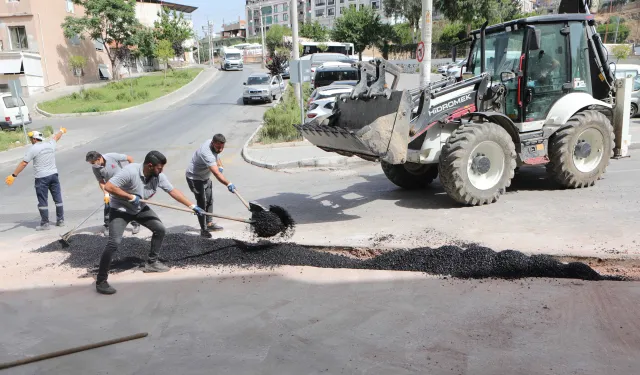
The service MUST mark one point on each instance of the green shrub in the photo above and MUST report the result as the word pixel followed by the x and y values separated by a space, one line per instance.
pixel 47 131
pixel 92 94
pixel 180 74
pixel 75 96
pixel 142 94
pixel 124 97
pixel 279 120
pixel 118 85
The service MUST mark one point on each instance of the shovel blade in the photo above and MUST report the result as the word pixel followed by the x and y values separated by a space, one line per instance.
pixel 255 207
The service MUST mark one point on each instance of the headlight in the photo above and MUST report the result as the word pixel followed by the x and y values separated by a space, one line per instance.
pixel 246 91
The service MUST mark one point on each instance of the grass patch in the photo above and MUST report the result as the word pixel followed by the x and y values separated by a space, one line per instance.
pixel 279 120
pixel 121 94
pixel 15 138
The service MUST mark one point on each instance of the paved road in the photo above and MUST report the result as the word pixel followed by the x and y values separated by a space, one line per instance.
pixel 344 207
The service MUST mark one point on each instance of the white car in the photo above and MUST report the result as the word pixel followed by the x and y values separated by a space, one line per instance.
pixel 10 113
pixel 319 108
pixel 454 71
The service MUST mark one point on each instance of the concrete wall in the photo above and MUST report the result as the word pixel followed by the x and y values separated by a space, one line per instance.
pixel 147 13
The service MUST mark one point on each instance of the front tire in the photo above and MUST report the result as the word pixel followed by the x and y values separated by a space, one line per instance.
pixel 634 110
pixel 410 175
pixel 477 163
pixel 580 152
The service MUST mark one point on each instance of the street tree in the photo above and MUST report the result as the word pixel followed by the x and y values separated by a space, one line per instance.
pixel 275 37
pixel 314 31
pixel 411 10
pixel 621 51
pixel 77 64
pixel 362 27
pixel 172 26
pixel 278 61
pixel 145 41
pixel 164 51
pixel 387 36
pixel 112 22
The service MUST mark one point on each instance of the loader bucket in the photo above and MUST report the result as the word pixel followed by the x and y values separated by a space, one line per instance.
pixel 371 128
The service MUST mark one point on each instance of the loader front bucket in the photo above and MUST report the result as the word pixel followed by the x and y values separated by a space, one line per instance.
pixel 371 128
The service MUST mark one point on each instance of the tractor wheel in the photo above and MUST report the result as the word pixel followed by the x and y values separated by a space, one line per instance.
pixel 477 163
pixel 581 150
pixel 410 175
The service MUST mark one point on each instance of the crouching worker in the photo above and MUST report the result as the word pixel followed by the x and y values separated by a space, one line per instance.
pixel 134 182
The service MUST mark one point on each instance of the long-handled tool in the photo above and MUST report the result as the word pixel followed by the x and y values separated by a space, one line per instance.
pixel 77 349
pixel 251 206
pixel 191 211
pixel 64 239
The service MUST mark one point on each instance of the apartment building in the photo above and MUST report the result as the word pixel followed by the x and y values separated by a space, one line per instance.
pixel 326 11
pixel 274 12
pixel 234 29
pixel 34 50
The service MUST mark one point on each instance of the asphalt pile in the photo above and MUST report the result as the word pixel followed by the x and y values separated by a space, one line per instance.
pixel 182 250
pixel 270 223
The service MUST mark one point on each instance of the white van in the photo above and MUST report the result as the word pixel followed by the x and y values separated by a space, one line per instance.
pixel 231 59
pixel 631 71
pixel 10 113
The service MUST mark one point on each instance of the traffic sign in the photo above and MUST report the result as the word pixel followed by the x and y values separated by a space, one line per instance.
pixel 420 51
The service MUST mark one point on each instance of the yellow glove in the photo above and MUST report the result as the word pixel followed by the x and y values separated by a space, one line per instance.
pixel 63 130
pixel 107 199
pixel 9 180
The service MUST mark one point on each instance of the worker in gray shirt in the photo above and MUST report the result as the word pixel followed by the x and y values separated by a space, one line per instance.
pixel 43 155
pixel 127 187
pixel 205 162
pixel 104 167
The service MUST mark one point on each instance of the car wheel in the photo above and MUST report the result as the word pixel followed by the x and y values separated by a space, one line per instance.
pixel 245 101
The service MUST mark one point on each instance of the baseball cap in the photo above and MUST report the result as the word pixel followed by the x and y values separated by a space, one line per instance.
pixel 36 135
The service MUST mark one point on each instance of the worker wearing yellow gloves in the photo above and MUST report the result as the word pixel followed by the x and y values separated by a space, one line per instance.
pixel 42 153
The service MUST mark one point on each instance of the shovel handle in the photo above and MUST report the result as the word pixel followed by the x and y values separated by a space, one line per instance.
pixel 191 211
pixel 246 204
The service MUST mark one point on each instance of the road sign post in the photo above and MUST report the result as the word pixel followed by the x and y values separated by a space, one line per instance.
pixel 16 92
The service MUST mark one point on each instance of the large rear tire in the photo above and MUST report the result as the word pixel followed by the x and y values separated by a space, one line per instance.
pixel 477 163
pixel 580 152
pixel 410 175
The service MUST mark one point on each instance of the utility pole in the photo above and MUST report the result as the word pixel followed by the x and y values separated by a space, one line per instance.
pixel 210 31
pixel 425 65
pixel 295 53
pixel 264 49
pixel 615 39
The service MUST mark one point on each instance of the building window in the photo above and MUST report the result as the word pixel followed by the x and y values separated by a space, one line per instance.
pixel 275 8
pixel 275 18
pixel 361 6
pixel 331 2
pixel 285 17
pixel 98 44
pixel 375 5
pixel 320 3
pixel 331 11
pixel 320 13
pixel 285 7
pixel 341 10
pixel 70 6
pixel 18 37
pixel 341 1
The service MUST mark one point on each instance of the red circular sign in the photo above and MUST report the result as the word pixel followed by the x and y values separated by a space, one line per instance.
pixel 420 51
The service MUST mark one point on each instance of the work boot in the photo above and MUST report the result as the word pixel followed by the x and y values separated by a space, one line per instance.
pixel 205 234
pixel 156 266
pixel 213 227
pixel 104 288
pixel 60 223
pixel 42 227
pixel 135 229
pixel 105 231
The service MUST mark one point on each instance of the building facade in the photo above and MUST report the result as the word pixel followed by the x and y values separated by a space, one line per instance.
pixel 234 30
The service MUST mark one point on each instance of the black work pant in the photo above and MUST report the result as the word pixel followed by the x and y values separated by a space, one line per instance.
pixel 106 216
pixel 204 198
pixel 43 186
pixel 118 220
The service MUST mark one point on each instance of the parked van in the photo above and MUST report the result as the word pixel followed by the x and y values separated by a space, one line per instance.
pixel 631 71
pixel 10 112
pixel 231 59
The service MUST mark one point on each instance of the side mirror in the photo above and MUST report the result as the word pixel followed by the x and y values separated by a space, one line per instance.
pixel 244 83
pixel 534 39
pixel 507 76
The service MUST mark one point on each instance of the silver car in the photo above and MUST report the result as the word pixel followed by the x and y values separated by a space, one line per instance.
pixel 262 87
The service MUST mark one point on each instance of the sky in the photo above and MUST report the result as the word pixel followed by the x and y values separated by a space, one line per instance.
pixel 216 10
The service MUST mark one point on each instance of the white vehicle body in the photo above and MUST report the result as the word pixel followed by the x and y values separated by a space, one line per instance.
pixel 231 59
pixel 631 71
pixel 10 112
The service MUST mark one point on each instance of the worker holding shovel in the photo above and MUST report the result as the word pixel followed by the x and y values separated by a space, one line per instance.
pixel 104 167
pixel 43 155
pixel 133 183
pixel 205 162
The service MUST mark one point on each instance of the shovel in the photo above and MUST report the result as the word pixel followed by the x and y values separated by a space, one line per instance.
pixel 64 239
pixel 191 211
pixel 253 207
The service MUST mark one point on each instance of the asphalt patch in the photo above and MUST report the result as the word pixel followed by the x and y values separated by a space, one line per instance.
pixel 270 223
pixel 182 250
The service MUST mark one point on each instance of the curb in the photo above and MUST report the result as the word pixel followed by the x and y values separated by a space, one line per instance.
pixel 324 162
pixel 67 115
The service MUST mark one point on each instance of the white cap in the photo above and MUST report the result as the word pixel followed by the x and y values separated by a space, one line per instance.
pixel 36 135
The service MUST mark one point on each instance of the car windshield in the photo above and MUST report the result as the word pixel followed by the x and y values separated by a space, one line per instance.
pixel 233 56
pixel 11 102
pixel 337 75
pixel 258 80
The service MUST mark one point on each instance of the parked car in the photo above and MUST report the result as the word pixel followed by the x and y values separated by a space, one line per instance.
pixel 325 75
pixel 442 69
pixel 262 87
pixel 10 112
pixel 632 71
pixel 329 91
pixel 320 107
pixel 454 70
pixel 319 59
pixel 286 74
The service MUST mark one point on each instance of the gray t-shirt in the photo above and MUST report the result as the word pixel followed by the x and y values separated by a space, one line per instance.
pixel 131 179
pixel 201 160
pixel 43 155
pixel 112 165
